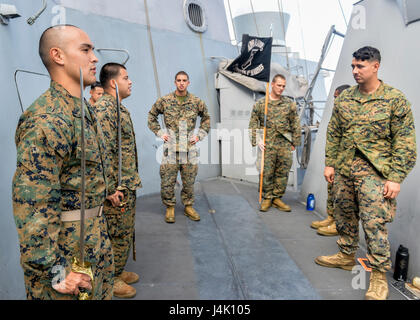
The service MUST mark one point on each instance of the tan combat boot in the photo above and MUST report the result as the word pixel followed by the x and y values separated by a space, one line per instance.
pixel 277 203
pixel 322 223
pixel 129 277
pixel 338 260
pixel 123 290
pixel 330 230
pixel 265 205
pixel 170 215
pixel 191 213
pixel 416 282
pixel 378 287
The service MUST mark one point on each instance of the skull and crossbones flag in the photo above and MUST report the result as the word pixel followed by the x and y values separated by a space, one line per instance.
pixel 255 58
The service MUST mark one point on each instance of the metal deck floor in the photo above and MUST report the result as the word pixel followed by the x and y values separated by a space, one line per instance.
pixel 236 252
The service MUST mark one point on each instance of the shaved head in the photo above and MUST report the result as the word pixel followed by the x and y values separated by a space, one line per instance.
pixel 65 50
pixel 54 37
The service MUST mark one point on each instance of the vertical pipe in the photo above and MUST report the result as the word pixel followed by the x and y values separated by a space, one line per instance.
pixel 255 19
pixel 152 50
pixel 233 26
pixel 284 32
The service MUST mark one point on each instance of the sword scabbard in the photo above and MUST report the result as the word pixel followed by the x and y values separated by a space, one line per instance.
pixel 134 245
pixel 80 265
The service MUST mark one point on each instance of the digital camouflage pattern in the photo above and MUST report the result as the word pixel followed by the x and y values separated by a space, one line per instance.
pixel 121 228
pixel 186 164
pixel 370 140
pixel 360 197
pixel 283 132
pixel 47 182
pixel 282 122
pixel 106 112
pixel 277 163
pixel 180 119
pixel 120 220
pixel 380 125
pixel 330 200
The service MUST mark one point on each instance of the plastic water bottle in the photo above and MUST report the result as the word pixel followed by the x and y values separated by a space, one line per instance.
pixel 401 264
pixel 310 202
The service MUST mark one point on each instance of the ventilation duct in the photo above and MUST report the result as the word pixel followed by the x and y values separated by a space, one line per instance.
pixel 195 15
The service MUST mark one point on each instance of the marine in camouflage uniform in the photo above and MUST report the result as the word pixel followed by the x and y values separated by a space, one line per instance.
pixel 47 185
pixel 283 133
pixel 370 140
pixel 121 220
pixel 370 149
pixel 327 226
pixel 180 116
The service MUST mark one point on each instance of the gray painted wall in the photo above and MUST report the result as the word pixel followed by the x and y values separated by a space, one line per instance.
pixel 385 30
pixel 110 25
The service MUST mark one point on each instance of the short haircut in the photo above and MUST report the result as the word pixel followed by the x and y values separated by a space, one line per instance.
pixel 46 42
pixel 110 71
pixel 182 73
pixel 342 88
pixel 97 84
pixel 278 76
pixel 367 53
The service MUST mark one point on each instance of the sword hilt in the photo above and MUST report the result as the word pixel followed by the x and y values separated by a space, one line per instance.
pixel 122 203
pixel 85 268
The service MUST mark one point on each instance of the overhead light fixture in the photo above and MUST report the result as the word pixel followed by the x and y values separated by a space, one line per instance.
pixel 8 11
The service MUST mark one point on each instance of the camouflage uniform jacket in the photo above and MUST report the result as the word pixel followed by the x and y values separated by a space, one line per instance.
pixel 379 125
pixel 282 121
pixel 180 118
pixel 47 180
pixel 106 112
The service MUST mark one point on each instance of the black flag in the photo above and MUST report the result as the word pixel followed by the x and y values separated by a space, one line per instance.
pixel 255 58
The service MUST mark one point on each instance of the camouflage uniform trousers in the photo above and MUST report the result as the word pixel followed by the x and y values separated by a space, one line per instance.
pixel 102 263
pixel 330 200
pixel 121 228
pixel 277 163
pixel 186 164
pixel 360 197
